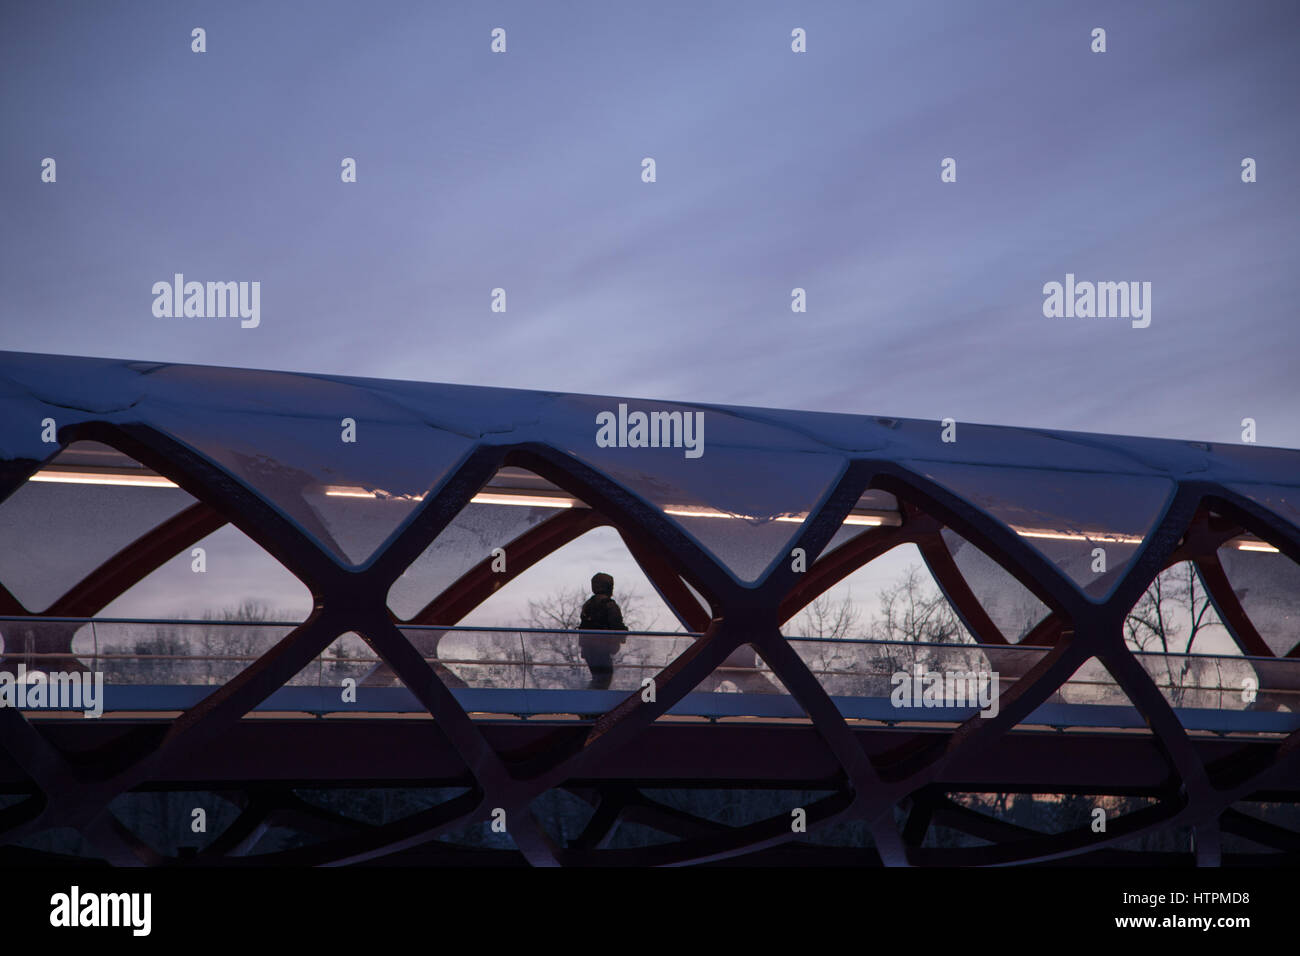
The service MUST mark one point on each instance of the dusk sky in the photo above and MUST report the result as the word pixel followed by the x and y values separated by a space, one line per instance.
pixel 774 170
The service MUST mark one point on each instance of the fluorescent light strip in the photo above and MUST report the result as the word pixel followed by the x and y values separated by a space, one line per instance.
pixel 543 501
pixel 525 501
pixel 1069 536
pixel 686 511
pixel 96 478
pixel 870 521
pixel 483 498
pixel 335 491
pixel 1257 546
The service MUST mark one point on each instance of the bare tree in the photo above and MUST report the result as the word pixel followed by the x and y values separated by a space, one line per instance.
pixel 829 620
pixel 243 644
pixel 826 621
pixel 191 654
pixel 560 610
pixel 1175 603
pixel 914 611
pixel 911 611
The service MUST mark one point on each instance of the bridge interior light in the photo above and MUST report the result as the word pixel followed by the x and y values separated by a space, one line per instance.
pixel 61 477
pixel 1256 546
pixel 534 499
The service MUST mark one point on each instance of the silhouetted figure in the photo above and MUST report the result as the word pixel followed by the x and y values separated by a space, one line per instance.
pixel 601 613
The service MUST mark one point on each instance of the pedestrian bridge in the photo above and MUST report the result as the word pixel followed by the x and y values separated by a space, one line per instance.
pixel 398 509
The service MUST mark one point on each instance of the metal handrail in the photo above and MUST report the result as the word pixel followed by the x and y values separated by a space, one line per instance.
pixel 203 622
pixel 486 629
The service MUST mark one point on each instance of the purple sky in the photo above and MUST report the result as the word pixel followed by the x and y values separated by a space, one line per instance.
pixel 775 170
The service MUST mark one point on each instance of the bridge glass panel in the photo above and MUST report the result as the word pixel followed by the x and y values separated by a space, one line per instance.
pixel 283 436
pixel 203 652
pixel 1066 516
pixel 744 523
pixel 1011 606
pixel 467 541
pixel 80 508
pixel 1267 584
pixel 1282 500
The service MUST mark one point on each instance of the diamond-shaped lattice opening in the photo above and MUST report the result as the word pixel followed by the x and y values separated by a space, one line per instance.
pixel 126 514
pixel 746 524
pixel 229 572
pixel 1089 525
pixel 516 501
pixel 1090 698
pixel 887 617
pixel 562 815
pixel 164 820
pixel 1176 635
pixel 347 466
pixel 73 515
pixel 525 634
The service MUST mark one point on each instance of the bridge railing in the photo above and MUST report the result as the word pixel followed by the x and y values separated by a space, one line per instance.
pixel 188 652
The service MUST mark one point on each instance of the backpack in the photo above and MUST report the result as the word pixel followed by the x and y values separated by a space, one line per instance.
pixel 601 613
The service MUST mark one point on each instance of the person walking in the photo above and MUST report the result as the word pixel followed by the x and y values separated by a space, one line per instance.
pixel 601 613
